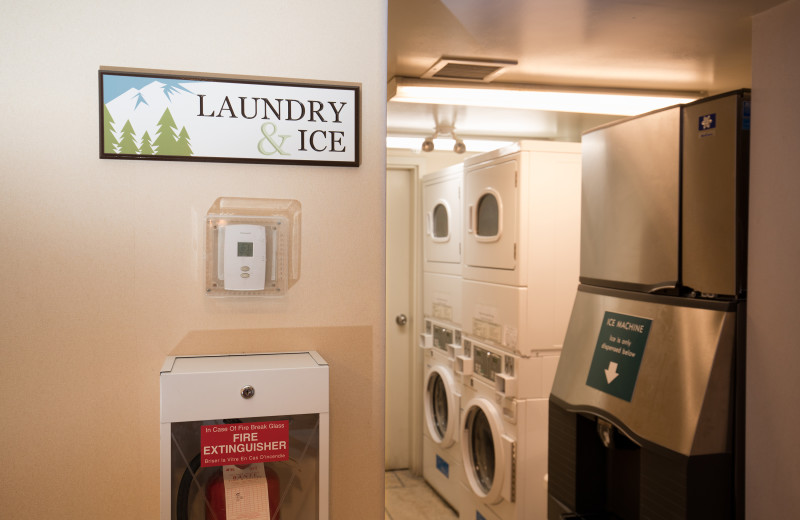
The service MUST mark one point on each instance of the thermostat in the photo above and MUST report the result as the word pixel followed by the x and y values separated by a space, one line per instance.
pixel 252 247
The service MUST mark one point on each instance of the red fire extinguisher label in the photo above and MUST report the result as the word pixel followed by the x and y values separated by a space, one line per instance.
pixel 244 443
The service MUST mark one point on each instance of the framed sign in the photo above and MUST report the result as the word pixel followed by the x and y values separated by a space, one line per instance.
pixel 191 117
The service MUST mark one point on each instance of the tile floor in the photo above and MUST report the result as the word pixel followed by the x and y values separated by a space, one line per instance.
pixel 409 497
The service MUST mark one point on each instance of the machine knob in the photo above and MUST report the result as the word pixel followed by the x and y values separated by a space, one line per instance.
pixel 401 319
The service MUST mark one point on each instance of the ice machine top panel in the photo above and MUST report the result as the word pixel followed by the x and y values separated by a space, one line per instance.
pixel 680 385
pixel 715 192
pixel 630 202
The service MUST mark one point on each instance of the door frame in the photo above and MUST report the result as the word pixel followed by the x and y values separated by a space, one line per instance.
pixel 415 419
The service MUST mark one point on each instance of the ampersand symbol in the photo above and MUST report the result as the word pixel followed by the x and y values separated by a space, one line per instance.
pixel 269 130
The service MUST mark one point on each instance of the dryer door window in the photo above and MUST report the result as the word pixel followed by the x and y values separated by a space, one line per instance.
pixel 482 449
pixel 441 222
pixel 487 216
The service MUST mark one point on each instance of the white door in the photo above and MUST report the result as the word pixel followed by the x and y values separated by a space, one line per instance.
pixel 399 313
pixel 492 215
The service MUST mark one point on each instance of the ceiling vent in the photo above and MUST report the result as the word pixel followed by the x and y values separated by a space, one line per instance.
pixel 468 69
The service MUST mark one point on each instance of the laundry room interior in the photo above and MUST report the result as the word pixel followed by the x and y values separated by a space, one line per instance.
pixel 360 255
pixel 484 323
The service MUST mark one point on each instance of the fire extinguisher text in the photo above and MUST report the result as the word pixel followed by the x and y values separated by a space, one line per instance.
pixel 244 443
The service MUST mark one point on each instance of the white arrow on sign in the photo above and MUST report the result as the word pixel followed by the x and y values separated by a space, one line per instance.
pixel 611 372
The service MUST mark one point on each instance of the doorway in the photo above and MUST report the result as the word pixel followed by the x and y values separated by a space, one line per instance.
pixel 403 397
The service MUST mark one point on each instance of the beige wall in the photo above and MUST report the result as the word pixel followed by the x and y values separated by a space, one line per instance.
pixel 773 356
pixel 425 162
pixel 103 258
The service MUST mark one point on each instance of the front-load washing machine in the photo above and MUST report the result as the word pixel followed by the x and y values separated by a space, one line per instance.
pixel 441 457
pixel 442 212
pixel 441 343
pixel 503 432
pixel 522 212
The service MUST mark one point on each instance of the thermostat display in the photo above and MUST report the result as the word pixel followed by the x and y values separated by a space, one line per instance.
pixel 245 249
pixel 244 258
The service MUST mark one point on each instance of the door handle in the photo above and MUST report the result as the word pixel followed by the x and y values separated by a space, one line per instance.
pixel 401 319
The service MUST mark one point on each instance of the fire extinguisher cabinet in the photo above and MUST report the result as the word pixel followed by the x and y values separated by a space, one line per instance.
pixel 245 437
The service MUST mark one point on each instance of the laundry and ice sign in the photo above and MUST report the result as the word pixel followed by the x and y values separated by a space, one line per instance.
pixel 618 354
pixel 187 117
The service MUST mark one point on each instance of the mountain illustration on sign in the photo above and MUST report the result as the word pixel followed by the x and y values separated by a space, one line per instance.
pixel 139 108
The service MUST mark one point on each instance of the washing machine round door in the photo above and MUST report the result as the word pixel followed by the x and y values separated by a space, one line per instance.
pixel 482 449
pixel 441 406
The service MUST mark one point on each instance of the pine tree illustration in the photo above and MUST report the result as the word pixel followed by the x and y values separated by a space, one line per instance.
pixel 109 141
pixel 127 143
pixel 146 149
pixel 182 147
pixel 165 142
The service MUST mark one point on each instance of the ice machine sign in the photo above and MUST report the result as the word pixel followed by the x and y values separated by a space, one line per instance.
pixel 618 354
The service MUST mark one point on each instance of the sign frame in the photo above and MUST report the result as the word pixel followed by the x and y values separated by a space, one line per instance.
pixel 348 120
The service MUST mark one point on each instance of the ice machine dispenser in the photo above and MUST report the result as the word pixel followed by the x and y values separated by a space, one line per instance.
pixel 641 411
pixel 647 408
pixel 245 436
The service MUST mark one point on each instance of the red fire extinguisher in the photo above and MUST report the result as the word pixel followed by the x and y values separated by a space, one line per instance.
pixel 215 493
pixel 215 496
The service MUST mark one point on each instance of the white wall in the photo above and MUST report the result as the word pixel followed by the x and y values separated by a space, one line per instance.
pixel 773 357
pixel 103 258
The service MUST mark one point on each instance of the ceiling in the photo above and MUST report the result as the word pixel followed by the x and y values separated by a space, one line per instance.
pixel 687 45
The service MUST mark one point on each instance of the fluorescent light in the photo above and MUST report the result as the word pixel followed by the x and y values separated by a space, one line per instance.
pixel 585 101
pixel 415 144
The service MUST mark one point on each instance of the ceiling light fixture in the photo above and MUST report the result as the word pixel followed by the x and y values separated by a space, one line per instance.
pixel 458 147
pixel 410 142
pixel 557 99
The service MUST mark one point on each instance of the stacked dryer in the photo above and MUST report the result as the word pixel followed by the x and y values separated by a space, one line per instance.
pixel 441 337
pixel 520 270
